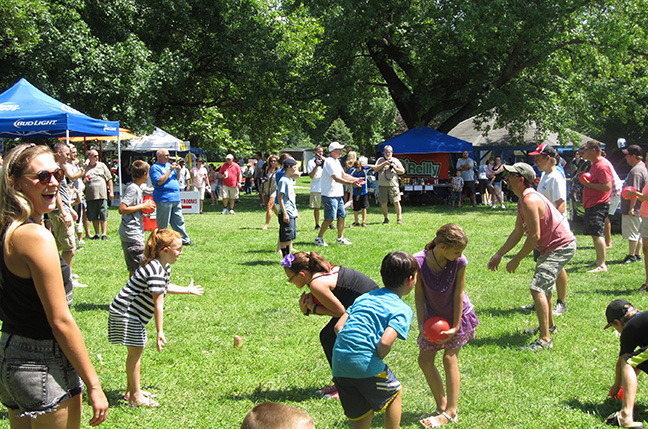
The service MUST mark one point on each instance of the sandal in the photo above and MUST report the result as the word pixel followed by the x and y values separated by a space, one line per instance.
pixel 613 420
pixel 145 393
pixel 436 412
pixel 432 422
pixel 148 402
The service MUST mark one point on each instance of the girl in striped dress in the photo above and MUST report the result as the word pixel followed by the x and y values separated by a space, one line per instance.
pixel 140 300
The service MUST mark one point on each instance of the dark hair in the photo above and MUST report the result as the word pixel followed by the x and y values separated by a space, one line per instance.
pixel 311 262
pixel 450 234
pixel 139 168
pixel 397 267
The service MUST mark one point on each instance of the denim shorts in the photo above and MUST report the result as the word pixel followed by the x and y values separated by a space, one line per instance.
pixel 35 375
pixel 333 208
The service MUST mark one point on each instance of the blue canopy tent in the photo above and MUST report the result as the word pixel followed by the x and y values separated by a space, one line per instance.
pixel 26 111
pixel 424 150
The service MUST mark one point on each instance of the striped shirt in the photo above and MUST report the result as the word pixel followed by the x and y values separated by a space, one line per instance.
pixel 135 300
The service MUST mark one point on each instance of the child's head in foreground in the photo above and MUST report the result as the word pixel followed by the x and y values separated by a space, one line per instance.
pixel 271 415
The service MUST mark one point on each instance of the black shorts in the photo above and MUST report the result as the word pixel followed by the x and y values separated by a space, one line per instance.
pixel 361 396
pixel 595 219
pixel 360 202
pixel 469 188
pixel 287 231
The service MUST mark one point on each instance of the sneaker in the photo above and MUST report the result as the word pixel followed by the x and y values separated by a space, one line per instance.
pixel 560 308
pixel 399 221
pixel 528 307
pixel 503 206
pixel 231 212
pixel 494 206
pixel 82 243
pixel 342 240
pixel 75 276
pixel 386 220
pixel 354 224
pixel 364 224
pixel 95 237
pixel 317 227
pixel 76 283
pixel 320 242
pixel 334 395
pixel 104 237
pixel 538 345
pixel 225 211
pixel 535 330
pixel 629 259
pixel 327 390
pixel 637 258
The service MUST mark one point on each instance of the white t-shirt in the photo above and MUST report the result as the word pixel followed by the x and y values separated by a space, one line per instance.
pixel 553 186
pixel 316 184
pixel 331 188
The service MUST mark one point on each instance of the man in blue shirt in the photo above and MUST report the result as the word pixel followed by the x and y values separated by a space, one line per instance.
pixel 166 194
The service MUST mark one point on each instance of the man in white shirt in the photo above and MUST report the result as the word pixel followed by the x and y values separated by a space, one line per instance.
pixel 332 186
pixel 314 170
pixel 553 186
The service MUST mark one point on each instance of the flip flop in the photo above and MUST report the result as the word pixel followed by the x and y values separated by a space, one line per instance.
pixel 432 422
pixel 148 402
pixel 613 420
pixel 436 412
pixel 145 393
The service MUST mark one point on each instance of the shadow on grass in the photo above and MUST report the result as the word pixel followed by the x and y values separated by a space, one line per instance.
pixel 609 292
pixel 260 394
pixel 256 263
pixel 89 306
pixel 507 341
pixel 116 396
pixel 500 312
pixel 605 408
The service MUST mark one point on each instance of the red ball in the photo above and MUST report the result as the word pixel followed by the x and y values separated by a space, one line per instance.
pixel 627 189
pixel 587 176
pixel 433 327
pixel 619 395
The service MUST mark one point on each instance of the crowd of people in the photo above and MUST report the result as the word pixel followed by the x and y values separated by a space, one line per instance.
pixel 364 319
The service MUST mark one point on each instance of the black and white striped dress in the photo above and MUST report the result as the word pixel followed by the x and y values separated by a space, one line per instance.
pixel 133 306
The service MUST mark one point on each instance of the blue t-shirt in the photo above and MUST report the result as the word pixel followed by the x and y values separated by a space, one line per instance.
pixel 354 353
pixel 359 173
pixel 286 186
pixel 169 190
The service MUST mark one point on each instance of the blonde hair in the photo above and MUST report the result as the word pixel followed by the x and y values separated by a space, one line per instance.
pixel 158 240
pixel 15 207
pixel 450 234
pixel 351 159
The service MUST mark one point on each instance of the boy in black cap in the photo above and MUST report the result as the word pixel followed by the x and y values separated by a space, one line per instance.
pixel 633 327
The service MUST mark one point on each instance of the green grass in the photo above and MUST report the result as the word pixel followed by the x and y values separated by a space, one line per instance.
pixel 204 382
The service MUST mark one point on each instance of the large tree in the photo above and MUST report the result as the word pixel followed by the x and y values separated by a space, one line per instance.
pixel 445 61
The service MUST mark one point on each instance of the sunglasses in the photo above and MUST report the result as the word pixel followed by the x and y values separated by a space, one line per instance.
pixel 44 176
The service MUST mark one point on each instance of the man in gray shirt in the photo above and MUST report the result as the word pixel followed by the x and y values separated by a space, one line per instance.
pixel 467 168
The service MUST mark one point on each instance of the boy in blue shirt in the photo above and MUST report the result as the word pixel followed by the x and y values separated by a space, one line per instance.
pixel 287 208
pixel 365 335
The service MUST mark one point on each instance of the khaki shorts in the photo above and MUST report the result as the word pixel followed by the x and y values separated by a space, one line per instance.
pixel 630 226
pixel 64 235
pixel 549 266
pixel 201 191
pixel 316 200
pixel 388 194
pixel 230 192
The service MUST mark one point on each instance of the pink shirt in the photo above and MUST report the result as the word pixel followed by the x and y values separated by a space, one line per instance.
pixel 554 229
pixel 233 174
pixel 601 173
pixel 643 211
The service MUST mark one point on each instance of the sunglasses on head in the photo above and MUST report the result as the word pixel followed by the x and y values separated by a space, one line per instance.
pixel 45 176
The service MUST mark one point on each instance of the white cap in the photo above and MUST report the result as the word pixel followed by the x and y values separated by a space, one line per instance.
pixel 335 145
pixel 229 156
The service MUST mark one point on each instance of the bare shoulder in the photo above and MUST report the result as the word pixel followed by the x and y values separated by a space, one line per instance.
pixel 31 238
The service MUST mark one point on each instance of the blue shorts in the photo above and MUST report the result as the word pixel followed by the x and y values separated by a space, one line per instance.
pixel 361 396
pixel 35 375
pixel 287 231
pixel 333 207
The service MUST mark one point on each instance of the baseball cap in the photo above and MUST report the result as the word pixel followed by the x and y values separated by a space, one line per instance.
pixel 633 150
pixel 544 149
pixel 181 160
pixel 229 156
pixel 289 162
pixel 523 169
pixel 616 310
pixel 335 145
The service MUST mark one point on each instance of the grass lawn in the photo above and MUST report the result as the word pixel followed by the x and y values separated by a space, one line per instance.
pixel 202 381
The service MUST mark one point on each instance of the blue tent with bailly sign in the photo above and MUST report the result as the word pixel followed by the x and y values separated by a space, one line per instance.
pixel 26 111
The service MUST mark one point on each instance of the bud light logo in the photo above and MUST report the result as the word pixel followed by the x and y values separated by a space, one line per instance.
pixel 9 107
pixel 22 123
pixel 109 129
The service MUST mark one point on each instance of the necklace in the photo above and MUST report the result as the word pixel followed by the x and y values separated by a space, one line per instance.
pixel 35 221
pixel 437 262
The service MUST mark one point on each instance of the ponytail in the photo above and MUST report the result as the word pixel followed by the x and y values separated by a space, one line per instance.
pixel 157 241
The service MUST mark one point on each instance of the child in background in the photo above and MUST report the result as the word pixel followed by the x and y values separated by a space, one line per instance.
pixel 360 195
pixel 131 228
pixel 457 189
pixel 440 293
pixel 365 335
pixel 139 300
pixel 272 415
pixel 287 204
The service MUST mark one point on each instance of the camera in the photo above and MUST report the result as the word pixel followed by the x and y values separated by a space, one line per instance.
pixel 319 160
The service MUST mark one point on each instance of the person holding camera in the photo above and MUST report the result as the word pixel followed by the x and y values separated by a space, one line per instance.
pixel 314 170
pixel 388 169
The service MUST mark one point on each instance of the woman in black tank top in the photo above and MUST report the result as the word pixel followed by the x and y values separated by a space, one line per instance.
pixel 34 303
pixel 333 289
